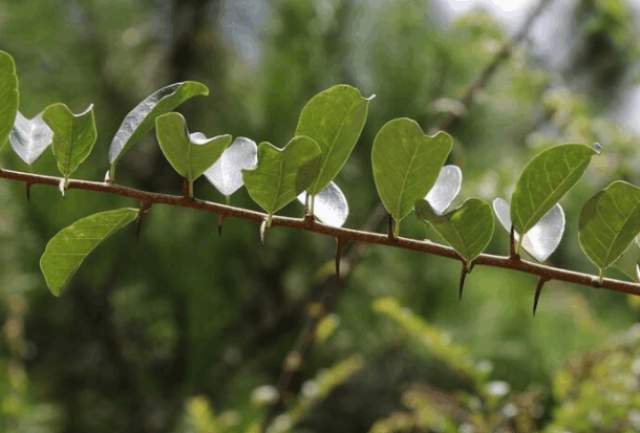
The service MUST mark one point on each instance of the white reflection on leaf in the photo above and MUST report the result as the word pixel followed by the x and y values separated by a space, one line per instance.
pixel 29 138
pixel 226 173
pixel 543 238
pixel 330 205
pixel 446 188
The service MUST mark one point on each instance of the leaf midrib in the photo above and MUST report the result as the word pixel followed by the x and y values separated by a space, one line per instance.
pixel 544 203
pixel 404 181
pixel 333 143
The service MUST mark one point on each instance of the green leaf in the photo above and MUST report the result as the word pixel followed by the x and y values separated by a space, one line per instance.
pixel 8 95
pixel 544 181
pixel 282 174
pixel 468 229
pixel 73 136
pixel 406 164
pixel 189 154
pixel 141 119
pixel 66 251
pixel 334 118
pixel 609 222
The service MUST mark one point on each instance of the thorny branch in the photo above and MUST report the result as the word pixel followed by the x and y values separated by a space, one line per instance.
pixel 343 234
pixel 330 290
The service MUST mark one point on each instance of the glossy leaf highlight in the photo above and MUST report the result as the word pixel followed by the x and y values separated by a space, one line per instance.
pixel 9 96
pixel 406 164
pixel 545 180
pixel 29 138
pixel 468 229
pixel 446 188
pixel 543 238
pixel 282 174
pixel 333 118
pixel 189 154
pixel 66 251
pixel 331 205
pixel 73 136
pixel 609 222
pixel 142 118
pixel 226 174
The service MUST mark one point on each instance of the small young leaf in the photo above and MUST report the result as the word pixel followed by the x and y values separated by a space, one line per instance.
pixel 609 222
pixel 331 205
pixel 446 189
pixel 543 238
pixel 30 137
pixel 545 180
pixel 189 154
pixel 73 136
pixel 66 251
pixel 8 95
pixel 467 229
pixel 334 118
pixel 226 173
pixel 141 119
pixel 406 164
pixel 282 174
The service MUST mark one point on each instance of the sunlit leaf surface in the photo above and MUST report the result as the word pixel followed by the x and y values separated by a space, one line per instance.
pixel 446 188
pixel 226 173
pixel 331 205
pixel 543 238
pixel 29 138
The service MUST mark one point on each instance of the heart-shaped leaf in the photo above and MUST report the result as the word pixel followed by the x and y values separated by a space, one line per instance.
pixel 609 222
pixel 29 138
pixel 446 189
pixel 8 95
pixel 331 205
pixel 141 119
pixel 226 173
pixel 545 180
pixel 189 154
pixel 66 251
pixel 406 164
pixel 334 118
pixel 543 238
pixel 73 136
pixel 282 174
pixel 468 229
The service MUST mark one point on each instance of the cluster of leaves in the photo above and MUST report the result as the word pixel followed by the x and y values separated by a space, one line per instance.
pixel 406 164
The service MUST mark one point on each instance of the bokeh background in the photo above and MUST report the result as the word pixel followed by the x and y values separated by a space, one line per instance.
pixel 187 331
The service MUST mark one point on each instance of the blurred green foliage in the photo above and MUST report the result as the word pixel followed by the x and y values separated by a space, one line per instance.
pixel 183 332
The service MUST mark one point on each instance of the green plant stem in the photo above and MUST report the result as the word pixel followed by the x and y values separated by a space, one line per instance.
pixel 346 235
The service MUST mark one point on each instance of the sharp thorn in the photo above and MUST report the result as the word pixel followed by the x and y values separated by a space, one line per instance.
pixel 537 295
pixel 138 227
pixel 61 187
pixel 220 223
pixel 463 277
pixel 144 208
pixel 263 230
pixel 28 191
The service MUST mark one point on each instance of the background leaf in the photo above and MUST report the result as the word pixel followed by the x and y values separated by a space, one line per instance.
pixel 547 177
pixel 8 95
pixel 543 238
pixel 406 164
pixel 73 136
pixel 468 229
pixel 446 188
pixel 331 205
pixel 282 174
pixel 141 119
pixel 334 118
pixel 66 251
pixel 609 222
pixel 29 138
pixel 226 173
pixel 189 154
